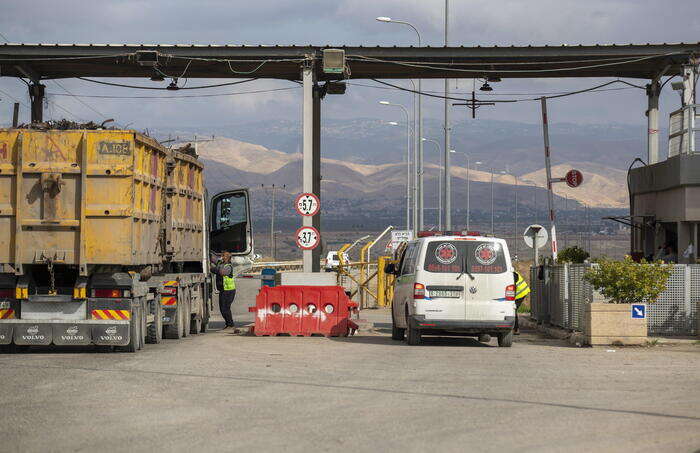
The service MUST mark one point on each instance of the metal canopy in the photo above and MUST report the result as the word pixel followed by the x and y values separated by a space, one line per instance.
pixel 47 61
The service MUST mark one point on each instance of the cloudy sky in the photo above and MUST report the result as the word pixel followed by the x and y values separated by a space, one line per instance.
pixel 349 22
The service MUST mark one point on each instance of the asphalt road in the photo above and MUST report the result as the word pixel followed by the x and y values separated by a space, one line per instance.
pixel 223 392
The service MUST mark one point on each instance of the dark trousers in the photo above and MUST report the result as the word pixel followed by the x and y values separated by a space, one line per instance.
pixel 518 302
pixel 225 301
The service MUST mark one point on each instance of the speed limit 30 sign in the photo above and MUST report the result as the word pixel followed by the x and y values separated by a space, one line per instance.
pixel 308 238
pixel 307 204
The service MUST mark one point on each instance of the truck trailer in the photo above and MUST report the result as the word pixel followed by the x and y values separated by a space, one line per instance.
pixel 106 238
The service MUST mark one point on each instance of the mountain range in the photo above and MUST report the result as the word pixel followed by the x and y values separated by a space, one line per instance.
pixel 364 171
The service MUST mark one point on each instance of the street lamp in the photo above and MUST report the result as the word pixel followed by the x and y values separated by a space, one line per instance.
pixel 439 150
pixel 515 233
pixel 468 183
pixel 418 204
pixel 408 162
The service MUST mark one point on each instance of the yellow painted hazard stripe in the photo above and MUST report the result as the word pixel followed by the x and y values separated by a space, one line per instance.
pixel 119 315
pixel 171 283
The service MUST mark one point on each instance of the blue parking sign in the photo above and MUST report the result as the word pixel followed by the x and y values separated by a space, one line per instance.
pixel 639 311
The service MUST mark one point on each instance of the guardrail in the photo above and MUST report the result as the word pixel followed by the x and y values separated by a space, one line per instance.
pixel 559 295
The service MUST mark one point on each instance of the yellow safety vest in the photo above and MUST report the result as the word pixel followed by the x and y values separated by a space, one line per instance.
pixel 521 287
pixel 229 280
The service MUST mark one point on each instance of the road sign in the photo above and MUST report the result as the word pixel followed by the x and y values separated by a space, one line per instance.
pixel 574 178
pixel 307 204
pixel 397 237
pixel 308 238
pixel 639 311
pixel 535 231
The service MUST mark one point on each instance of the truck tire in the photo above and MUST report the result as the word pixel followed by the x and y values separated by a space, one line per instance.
pixel 154 331
pixel 505 339
pixel 186 319
pixel 196 325
pixel 134 334
pixel 397 333
pixel 205 315
pixel 174 331
pixel 143 327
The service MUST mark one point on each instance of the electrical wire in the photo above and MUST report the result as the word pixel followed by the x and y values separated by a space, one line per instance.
pixel 427 65
pixel 80 100
pixel 160 89
pixel 98 96
pixel 15 99
pixel 547 93
pixel 570 93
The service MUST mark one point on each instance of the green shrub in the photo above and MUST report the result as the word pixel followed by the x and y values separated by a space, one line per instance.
pixel 626 282
pixel 574 254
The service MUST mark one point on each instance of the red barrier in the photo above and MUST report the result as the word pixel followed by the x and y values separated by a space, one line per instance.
pixel 303 311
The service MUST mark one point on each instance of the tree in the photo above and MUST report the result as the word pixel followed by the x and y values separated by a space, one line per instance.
pixel 626 282
pixel 574 254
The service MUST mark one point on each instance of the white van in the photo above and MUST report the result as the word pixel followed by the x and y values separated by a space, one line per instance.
pixel 332 260
pixel 454 285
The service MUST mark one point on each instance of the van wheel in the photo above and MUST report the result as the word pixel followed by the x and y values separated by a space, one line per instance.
pixel 413 337
pixel 505 339
pixel 397 333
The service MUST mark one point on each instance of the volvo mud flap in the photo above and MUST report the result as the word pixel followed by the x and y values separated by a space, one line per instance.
pixel 33 334
pixel 112 334
pixel 71 334
pixel 6 330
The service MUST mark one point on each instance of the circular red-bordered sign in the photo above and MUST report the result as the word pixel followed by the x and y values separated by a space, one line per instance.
pixel 574 178
pixel 308 238
pixel 307 204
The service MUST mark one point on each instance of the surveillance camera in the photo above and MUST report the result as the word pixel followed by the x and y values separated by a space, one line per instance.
pixel 677 86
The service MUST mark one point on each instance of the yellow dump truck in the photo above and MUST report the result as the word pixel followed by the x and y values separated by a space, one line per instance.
pixel 106 238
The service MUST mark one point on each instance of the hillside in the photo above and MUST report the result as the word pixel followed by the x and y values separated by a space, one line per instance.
pixel 349 187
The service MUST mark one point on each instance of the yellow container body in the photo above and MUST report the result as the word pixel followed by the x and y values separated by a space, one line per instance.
pixel 85 197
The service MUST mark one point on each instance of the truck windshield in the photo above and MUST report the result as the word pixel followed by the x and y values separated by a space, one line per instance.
pixel 482 257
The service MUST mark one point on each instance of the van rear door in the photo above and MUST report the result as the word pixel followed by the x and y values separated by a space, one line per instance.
pixel 467 279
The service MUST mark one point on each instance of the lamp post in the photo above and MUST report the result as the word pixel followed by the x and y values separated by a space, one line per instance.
pixel 408 162
pixel 515 232
pixel 468 167
pixel 418 157
pixel 492 225
pixel 439 150
pixel 273 245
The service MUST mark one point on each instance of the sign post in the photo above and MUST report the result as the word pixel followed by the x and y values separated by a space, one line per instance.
pixel 308 237
pixel 535 237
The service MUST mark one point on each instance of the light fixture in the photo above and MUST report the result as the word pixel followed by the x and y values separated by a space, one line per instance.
pixel 173 85
pixel 486 87
pixel 384 102
pixel 453 151
pixel 156 77
pixel 493 79
pixel 383 19
pixel 392 123
pixel 677 86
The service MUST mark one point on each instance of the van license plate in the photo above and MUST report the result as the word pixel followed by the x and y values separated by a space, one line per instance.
pixel 445 293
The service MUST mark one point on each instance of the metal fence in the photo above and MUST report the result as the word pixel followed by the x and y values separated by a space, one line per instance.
pixel 559 296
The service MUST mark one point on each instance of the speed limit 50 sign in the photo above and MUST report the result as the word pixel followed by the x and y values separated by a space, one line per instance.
pixel 307 204
pixel 308 238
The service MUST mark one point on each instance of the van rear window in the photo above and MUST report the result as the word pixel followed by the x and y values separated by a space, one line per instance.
pixel 477 257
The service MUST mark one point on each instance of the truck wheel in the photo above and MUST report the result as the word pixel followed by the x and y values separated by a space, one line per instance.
pixel 174 331
pixel 134 327
pixel 186 319
pixel 505 339
pixel 397 333
pixel 154 331
pixel 143 326
pixel 196 325
pixel 205 316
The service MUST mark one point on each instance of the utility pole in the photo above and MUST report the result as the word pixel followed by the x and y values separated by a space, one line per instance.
pixel 447 186
pixel 492 228
pixel 273 241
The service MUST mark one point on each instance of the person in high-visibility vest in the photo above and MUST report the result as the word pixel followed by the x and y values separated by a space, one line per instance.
pixel 521 291
pixel 226 284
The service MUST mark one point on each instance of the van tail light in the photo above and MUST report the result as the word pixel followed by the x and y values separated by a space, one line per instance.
pixel 110 293
pixel 510 292
pixel 7 293
pixel 418 291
